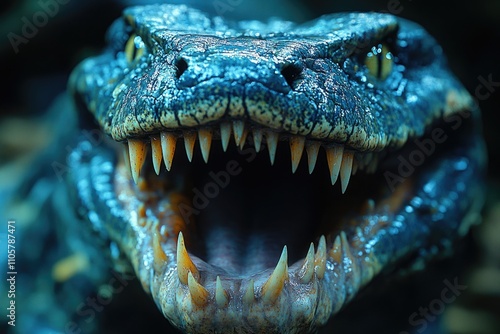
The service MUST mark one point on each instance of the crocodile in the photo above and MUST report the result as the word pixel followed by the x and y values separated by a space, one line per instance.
pixel 228 238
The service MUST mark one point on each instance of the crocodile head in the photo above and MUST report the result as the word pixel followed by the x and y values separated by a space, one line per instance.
pixel 382 140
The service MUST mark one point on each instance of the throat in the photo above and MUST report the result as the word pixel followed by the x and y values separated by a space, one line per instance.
pixel 245 211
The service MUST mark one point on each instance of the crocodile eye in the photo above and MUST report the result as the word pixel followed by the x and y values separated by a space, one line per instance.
pixel 379 61
pixel 134 49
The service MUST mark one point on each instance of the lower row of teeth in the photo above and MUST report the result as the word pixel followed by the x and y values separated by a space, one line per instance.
pixel 313 267
pixel 340 162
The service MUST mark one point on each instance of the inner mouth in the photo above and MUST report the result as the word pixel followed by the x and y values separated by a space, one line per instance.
pixel 243 200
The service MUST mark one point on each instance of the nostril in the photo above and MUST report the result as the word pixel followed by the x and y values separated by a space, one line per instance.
pixel 291 72
pixel 181 65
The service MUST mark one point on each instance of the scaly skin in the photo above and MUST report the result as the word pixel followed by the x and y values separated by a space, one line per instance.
pixel 188 74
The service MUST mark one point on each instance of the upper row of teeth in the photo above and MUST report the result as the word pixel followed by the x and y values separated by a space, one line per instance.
pixel 340 162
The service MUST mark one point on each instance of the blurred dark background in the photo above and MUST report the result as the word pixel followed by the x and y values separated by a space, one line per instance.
pixel 469 32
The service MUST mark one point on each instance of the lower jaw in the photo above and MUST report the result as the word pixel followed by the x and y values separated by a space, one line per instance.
pixel 313 288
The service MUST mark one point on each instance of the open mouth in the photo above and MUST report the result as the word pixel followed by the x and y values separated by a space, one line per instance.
pixel 242 207
pixel 246 227
pixel 221 224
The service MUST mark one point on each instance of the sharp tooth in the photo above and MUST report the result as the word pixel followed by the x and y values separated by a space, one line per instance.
pixel 205 137
pixel 346 170
pixel 274 285
pixel 137 153
pixel 243 139
pixel 238 129
pixel 320 258
pixel 307 270
pixel 156 153
pixel 184 263
pixel 126 158
pixel 334 158
pixel 159 256
pixel 189 139
pixel 336 251
pixel 221 297
pixel 225 135
pixel 296 149
pixel 337 255
pixel 168 142
pixel 199 295
pixel 347 254
pixel 249 296
pixel 257 139
pixel 343 238
pixel 312 148
pixel 272 144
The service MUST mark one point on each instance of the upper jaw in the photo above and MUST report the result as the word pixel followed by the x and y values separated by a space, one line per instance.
pixel 166 105
pixel 342 161
pixel 297 84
